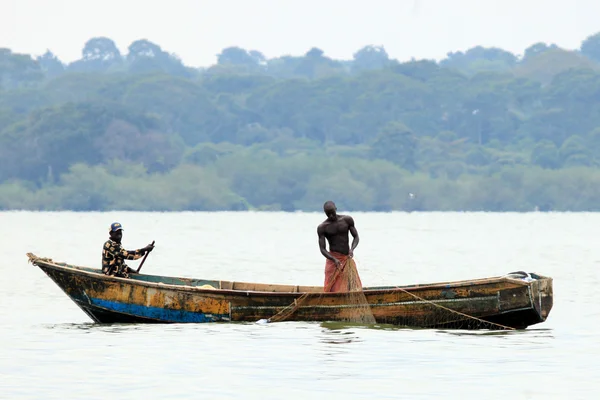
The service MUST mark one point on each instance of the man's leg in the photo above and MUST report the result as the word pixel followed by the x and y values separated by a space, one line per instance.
pixel 122 271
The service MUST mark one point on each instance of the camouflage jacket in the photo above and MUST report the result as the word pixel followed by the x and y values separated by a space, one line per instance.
pixel 114 256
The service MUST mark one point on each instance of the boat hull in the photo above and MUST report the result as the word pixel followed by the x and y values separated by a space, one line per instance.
pixel 491 303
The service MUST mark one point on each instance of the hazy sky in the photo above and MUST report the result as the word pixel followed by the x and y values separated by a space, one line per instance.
pixel 197 30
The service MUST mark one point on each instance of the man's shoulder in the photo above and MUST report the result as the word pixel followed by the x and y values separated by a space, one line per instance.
pixel 347 219
pixel 110 245
pixel 323 224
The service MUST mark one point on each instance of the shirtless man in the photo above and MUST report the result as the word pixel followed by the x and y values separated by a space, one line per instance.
pixel 335 229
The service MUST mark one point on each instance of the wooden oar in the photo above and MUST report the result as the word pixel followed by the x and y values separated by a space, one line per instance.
pixel 144 259
pixel 297 303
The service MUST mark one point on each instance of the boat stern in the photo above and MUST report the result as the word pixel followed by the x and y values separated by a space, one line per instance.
pixel 542 295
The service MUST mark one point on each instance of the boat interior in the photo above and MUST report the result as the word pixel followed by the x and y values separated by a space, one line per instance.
pixel 265 287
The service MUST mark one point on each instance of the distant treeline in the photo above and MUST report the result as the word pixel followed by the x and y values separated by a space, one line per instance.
pixel 480 130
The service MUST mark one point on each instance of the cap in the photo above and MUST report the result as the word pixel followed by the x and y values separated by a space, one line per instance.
pixel 115 226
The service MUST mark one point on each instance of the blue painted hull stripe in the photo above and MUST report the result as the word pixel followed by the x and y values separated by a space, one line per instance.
pixel 157 313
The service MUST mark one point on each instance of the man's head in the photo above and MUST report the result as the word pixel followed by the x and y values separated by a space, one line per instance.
pixel 330 210
pixel 116 232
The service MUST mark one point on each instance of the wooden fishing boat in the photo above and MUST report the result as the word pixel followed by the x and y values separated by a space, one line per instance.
pixel 513 301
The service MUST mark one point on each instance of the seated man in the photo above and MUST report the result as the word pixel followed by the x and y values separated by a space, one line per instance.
pixel 113 255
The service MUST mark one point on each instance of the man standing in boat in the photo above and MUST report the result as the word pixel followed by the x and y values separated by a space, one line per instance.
pixel 114 256
pixel 335 229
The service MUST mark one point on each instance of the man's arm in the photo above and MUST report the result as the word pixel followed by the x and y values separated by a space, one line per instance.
pixel 326 254
pixel 131 254
pixel 108 258
pixel 354 233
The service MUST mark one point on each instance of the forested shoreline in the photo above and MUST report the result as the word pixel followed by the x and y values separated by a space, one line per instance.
pixel 481 130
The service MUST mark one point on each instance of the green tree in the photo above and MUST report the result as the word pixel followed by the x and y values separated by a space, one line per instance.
pixel 50 65
pixel 315 65
pixel 590 47
pixel 396 143
pixel 574 152
pixel 545 154
pixel 99 54
pixel 479 59
pixel 251 60
pixel 370 57
pixel 18 70
pixel 184 107
pixel 537 48
pixel 146 57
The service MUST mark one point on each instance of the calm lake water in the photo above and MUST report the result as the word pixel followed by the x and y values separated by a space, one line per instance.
pixel 51 350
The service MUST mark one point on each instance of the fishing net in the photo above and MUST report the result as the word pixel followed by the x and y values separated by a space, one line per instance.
pixel 348 304
pixel 356 307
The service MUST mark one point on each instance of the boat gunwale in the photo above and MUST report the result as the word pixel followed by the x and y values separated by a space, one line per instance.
pixel 73 269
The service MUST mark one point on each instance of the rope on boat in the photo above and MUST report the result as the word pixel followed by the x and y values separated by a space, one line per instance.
pixel 454 311
pixel 32 258
pixel 451 310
